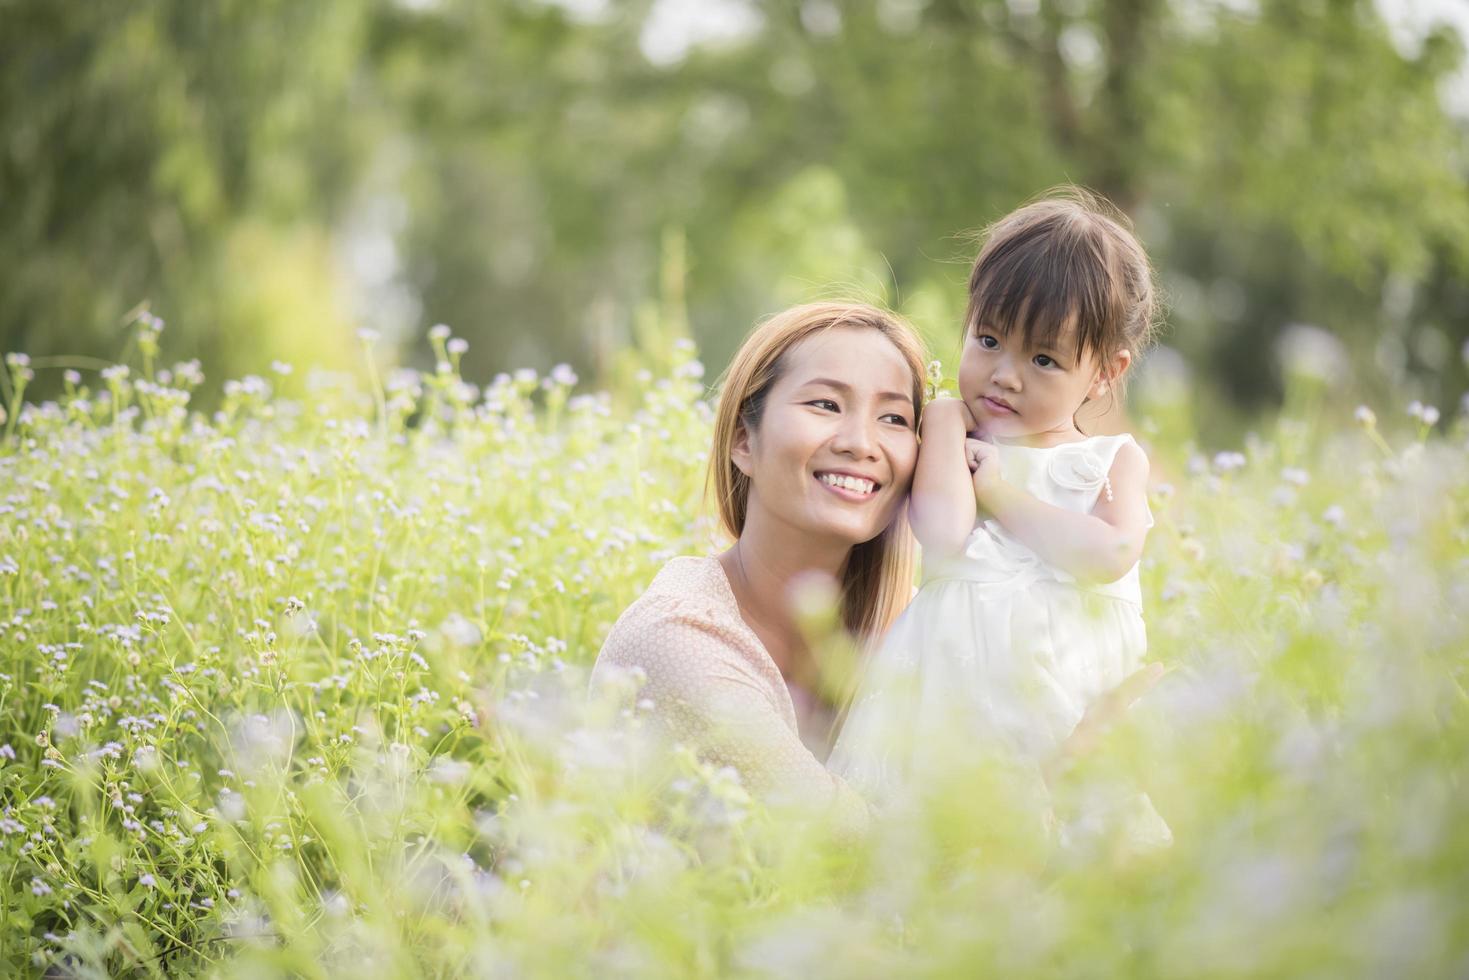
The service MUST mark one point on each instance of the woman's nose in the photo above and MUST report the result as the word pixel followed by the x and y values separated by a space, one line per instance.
pixel 857 436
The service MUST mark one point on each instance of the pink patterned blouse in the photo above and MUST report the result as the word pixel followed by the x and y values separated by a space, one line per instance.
pixel 715 687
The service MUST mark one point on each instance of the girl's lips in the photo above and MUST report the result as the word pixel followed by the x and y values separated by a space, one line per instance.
pixel 998 407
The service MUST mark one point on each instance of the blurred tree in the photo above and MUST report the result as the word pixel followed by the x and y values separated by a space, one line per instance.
pixel 511 168
pixel 190 155
pixel 1308 191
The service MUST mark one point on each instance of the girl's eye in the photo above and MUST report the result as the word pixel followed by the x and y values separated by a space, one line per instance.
pixel 1042 360
pixel 988 342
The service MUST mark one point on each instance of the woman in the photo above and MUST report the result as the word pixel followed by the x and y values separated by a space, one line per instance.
pixel 815 443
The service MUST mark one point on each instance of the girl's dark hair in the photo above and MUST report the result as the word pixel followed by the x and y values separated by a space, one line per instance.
pixel 1067 257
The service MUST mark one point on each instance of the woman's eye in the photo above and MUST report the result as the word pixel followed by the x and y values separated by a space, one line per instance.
pixel 825 403
pixel 899 419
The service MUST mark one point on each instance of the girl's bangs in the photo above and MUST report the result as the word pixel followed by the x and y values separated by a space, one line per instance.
pixel 1054 292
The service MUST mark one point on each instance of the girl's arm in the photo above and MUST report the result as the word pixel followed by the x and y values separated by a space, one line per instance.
pixel 942 508
pixel 1096 547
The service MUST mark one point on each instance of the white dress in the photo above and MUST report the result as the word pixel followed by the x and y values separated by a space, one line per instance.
pixel 999 651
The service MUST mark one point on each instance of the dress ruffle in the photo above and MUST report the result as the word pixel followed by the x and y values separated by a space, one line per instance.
pixel 1079 468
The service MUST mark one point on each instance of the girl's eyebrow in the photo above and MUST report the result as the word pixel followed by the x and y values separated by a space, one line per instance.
pixel 846 389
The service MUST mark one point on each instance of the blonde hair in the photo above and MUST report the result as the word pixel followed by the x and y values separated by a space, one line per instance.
pixel 1069 256
pixel 877 579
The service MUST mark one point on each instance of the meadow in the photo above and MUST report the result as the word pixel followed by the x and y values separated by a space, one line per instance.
pixel 298 687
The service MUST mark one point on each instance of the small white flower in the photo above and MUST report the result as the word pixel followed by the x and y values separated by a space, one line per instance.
pixel 1228 462
pixel 460 631
pixel 439 331
pixel 457 346
pixel 1365 416
pixel 1312 352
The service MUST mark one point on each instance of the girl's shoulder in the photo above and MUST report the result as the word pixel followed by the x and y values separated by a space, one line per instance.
pixel 1085 464
pixel 1112 447
pixel 1105 446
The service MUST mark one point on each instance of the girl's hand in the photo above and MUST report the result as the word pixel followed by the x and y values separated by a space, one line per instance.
pixel 950 411
pixel 984 464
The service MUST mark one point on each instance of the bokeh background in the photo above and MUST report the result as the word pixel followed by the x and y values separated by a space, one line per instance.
pixel 561 179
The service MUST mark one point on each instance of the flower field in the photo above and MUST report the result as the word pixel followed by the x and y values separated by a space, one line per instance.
pixel 298 687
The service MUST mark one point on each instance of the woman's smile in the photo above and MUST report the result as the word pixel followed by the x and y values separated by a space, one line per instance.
pixel 848 485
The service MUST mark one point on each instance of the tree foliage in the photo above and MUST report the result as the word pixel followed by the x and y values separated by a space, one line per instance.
pixel 512 168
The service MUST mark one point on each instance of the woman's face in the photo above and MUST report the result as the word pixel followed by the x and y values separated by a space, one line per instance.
pixel 833 454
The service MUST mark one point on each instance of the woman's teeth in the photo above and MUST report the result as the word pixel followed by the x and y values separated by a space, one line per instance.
pixel 855 484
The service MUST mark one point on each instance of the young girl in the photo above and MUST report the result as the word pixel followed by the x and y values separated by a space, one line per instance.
pixel 1031 529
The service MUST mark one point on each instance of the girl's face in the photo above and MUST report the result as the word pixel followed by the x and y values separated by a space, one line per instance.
pixel 833 453
pixel 1022 393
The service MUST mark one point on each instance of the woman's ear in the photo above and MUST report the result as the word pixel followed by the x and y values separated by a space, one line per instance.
pixel 1111 373
pixel 739 451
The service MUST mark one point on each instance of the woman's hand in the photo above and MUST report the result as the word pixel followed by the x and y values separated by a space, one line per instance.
pixel 1100 717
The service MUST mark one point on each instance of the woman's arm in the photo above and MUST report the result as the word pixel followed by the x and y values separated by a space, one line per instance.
pixel 942 509
pixel 705 694
pixel 1096 547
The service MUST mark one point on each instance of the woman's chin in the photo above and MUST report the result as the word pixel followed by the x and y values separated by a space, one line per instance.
pixel 850 532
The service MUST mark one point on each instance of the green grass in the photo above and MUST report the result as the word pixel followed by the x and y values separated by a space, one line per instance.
pixel 298 688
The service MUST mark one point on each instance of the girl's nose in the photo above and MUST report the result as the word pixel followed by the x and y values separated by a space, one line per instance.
pixel 1005 375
